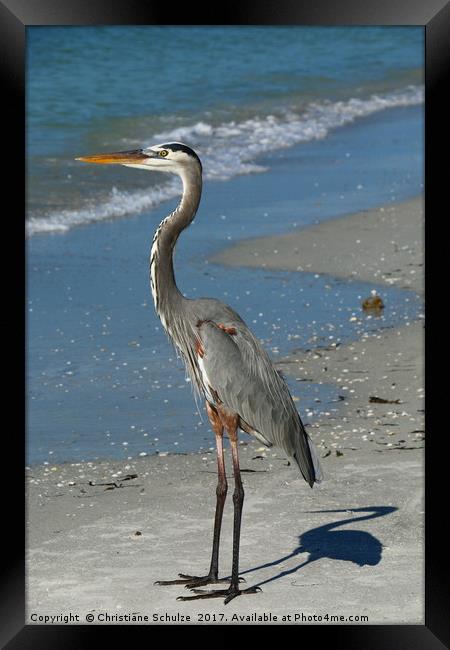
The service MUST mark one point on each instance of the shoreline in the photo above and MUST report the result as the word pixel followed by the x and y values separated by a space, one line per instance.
pixel 122 534
pixel 354 255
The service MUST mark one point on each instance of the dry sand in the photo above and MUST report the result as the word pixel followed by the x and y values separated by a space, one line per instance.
pixel 351 547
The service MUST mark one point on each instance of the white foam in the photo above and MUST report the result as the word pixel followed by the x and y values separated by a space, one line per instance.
pixel 229 149
pixel 118 204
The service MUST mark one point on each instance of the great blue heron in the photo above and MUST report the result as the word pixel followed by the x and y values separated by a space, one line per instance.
pixel 227 364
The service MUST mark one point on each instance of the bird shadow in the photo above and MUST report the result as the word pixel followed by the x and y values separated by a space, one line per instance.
pixel 357 546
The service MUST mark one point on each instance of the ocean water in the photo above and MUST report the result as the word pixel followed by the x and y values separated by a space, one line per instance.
pixel 234 93
pixel 293 125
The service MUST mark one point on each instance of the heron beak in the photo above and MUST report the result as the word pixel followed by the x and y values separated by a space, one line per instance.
pixel 134 156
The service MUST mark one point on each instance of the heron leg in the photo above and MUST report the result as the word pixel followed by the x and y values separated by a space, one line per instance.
pixel 231 425
pixel 221 490
pixel 191 581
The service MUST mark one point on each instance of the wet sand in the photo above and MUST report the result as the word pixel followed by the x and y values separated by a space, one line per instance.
pixel 351 547
pixel 384 245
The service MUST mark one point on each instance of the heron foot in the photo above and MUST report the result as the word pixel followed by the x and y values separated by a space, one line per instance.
pixel 190 582
pixel 227 594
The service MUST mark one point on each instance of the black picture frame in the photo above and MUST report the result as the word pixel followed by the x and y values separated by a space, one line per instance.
pixel 434 16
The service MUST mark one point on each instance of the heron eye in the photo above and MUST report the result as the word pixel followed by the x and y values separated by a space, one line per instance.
pixel 163 153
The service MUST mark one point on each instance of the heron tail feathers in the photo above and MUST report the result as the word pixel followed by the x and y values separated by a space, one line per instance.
pixel 315 459
pixel 308 460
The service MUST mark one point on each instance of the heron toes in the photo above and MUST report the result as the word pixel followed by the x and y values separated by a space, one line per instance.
pixel 190 582
pixel 227 594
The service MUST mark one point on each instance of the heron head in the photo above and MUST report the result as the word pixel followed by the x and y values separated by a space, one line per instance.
pixel 171 157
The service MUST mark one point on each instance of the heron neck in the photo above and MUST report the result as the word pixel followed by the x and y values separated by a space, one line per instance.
pixel 166 295
pixel 374 512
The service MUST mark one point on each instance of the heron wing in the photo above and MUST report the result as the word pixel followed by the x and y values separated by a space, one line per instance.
pixel 240 373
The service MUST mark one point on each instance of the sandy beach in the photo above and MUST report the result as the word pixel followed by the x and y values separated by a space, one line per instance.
pixel 99 534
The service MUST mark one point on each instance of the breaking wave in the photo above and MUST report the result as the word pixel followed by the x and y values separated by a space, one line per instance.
pixel 227 150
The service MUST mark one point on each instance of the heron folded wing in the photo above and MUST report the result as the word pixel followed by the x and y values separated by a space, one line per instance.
pixel 242 375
